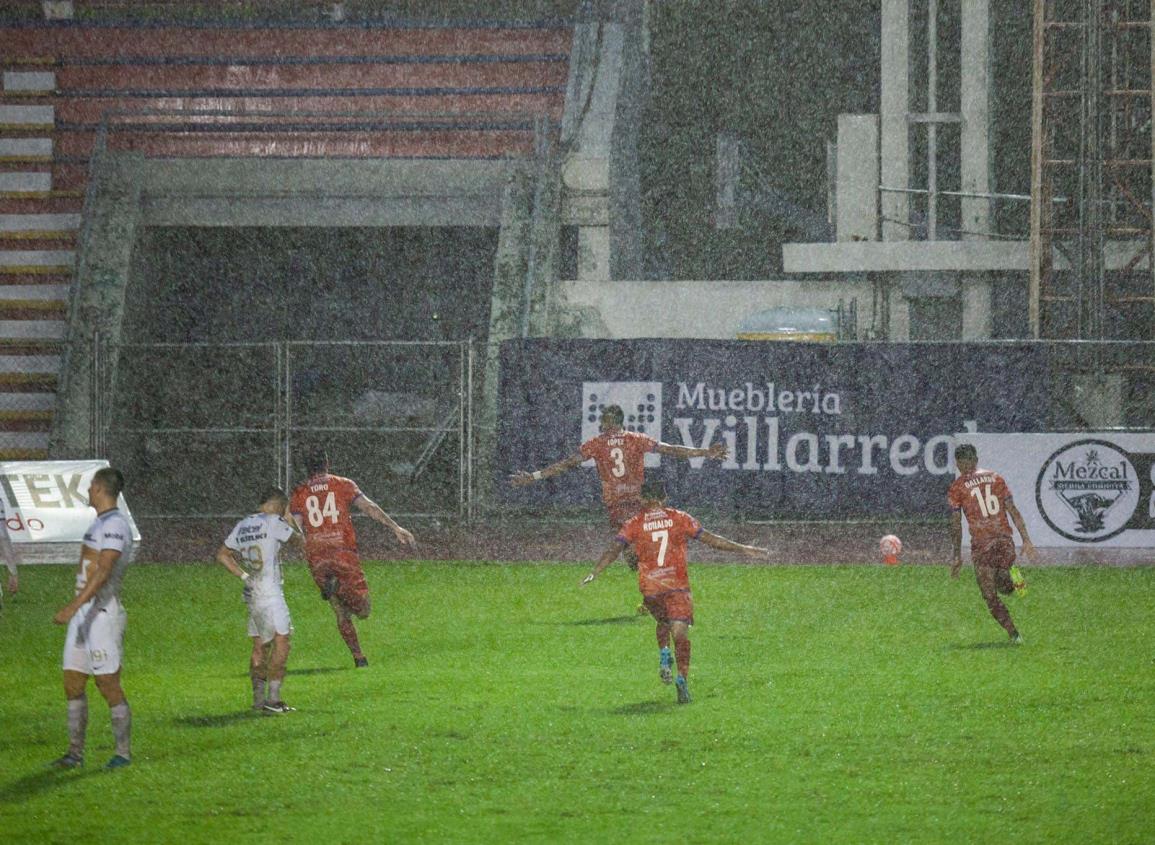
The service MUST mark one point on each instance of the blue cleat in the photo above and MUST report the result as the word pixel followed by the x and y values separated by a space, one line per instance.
pixel 118 762
pixel 665 666
pixel 683 690
pixel 68 761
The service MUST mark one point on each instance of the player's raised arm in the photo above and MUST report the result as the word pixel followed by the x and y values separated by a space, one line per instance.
pixel 956 543
pixel 608 556
pixel 1017 518
pixel 522 478
pixel 99 573
pixel 371 509
pixel 716 452
pixel 715 541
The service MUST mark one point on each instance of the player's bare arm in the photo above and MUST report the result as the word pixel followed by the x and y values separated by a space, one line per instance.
pixel 608 557
pixel 522 478
pixel 956 543
pixel 715 541
pixel 98 573
pixel 1021 524
pixel 372 510
pixel 227 558
pixel 715 452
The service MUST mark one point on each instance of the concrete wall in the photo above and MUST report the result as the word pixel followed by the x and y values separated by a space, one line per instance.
pixel 710 309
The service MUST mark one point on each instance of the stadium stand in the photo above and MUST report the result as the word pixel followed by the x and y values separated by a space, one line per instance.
pixel 459 91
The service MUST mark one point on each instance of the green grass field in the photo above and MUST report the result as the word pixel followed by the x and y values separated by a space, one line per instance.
pixel 506 704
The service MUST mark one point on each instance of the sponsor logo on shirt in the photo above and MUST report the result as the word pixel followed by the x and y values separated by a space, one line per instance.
pixel 1088 491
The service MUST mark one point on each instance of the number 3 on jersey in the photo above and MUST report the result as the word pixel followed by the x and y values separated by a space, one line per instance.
pixel 988 501
pixel 619 458
pixel 317 513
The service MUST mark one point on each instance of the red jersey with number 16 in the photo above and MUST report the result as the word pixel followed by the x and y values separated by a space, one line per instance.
pixel 983 496
pixel 620 457
pixel 659 537
pixel 323 503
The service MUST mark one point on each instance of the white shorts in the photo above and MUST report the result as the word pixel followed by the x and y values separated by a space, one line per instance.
pixel 95 640
pixel 269 617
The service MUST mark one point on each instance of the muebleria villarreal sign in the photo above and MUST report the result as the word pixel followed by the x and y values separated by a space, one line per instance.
pixel 812 430
pixel 1078 489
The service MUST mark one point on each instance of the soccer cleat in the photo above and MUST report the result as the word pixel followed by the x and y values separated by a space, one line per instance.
pixel 330 587
pixel 665 670
pixel 683 690
pixel 118 762
pixel 1017 639
pixel 641 609
pixel 278 707
pixel 68 761
pixel 258 705
pixel 361 662
pixel 1019 581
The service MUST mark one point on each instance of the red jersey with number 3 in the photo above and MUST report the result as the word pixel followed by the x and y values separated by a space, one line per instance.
pixel 620 457
pixel 982 496
pixel 323 503
pixel 659 537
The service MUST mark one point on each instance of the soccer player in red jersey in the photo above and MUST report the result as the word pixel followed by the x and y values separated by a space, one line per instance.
pixel 659 535
pixel 619 456
pixel 321 507
pixel 985 499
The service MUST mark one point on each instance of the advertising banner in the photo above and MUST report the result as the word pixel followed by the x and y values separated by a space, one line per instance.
pixel 1078 490
pixel 813 430
pixel 46 502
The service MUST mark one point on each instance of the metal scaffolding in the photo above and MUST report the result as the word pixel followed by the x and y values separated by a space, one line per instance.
pixel 1092 274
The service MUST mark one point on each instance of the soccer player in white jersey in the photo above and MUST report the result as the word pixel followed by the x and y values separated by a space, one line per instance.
pixel 95 620
pixel 8 552
pixel 252 552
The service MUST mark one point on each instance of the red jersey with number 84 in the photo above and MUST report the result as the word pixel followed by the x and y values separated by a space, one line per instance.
pixel 620 457
pixel 982 496
pixel 659 538
pixel 322 503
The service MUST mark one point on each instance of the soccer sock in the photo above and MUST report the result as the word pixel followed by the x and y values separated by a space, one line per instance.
pixel 682 654
pixel 77 725
pixel 122 728
pixel 258 689
pixel 664 637
pixel 349 635
pixel 274 690
pixel 664 656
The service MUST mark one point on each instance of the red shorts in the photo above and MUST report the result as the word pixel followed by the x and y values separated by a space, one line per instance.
pixel 352 588
pixel 674 606
pixel 622 511
pixel 998 553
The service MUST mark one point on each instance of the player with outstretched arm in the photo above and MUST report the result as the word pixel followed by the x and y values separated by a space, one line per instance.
pixel 321 507
pixel 985 499
pixel 252 552
pixel 96 620
pixel 619 456
pixel 660 536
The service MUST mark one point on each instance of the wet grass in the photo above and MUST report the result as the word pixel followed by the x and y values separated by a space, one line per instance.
pixel 506 704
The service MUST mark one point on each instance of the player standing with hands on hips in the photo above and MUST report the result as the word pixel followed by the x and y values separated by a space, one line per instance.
pixel 321 507
pixel 983 496
pixel 252 552
pixel 660 535
pixel 96 621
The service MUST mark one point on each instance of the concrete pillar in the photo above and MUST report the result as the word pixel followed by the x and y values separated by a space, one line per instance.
pixel 976 115
pixel 894 131
pixel 976 308
pixel 593 253
pixel 898 316
pixel 856 205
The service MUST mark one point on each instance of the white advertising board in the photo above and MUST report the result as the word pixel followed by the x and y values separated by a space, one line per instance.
pixel 1083 490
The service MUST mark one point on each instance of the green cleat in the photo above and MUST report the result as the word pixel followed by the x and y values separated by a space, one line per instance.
pixel 1019 581
pixel 1017 639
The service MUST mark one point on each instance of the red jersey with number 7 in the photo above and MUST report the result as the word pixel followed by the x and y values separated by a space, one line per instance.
pixel 620 457
pixel 323 503
pixel 659 537
pixel 982 496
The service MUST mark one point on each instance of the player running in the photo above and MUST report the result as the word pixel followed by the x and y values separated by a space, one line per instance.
pixel 985 499
pixel 321 508
pixel 619 456
pixel 96 621
pixel 659 535
pixel 8 552
pixel 252 552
